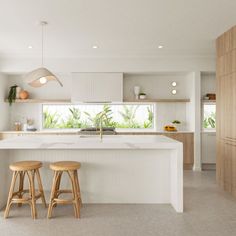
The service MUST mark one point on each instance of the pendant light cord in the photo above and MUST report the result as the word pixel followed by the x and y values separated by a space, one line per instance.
pixel 42 43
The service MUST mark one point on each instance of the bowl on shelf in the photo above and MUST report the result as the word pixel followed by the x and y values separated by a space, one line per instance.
pixel 211 96
pixel 142 96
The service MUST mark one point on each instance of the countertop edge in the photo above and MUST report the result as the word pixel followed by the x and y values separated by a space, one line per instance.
pixel 75 133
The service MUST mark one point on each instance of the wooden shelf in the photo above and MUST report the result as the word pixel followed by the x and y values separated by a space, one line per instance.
pixel 41 101
pixel 68 100
pixel 157 100
pixel 208 101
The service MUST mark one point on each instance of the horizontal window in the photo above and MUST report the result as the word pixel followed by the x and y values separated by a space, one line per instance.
pixel 209 116
pixel 84 116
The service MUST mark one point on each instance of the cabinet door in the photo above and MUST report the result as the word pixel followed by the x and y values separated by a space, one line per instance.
pixel 208 151
pixel 97 87
pixel 227 166
pixel 233 169
pixel 8 135
pixel 226 111
pixel 188 147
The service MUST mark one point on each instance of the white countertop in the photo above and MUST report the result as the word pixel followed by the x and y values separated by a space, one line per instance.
pixel 71 132
pixel 89 142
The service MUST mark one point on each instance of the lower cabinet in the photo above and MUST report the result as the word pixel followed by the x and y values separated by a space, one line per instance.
pixel 226 170
pixel 8 135
pixel 208 150
pixel 188 147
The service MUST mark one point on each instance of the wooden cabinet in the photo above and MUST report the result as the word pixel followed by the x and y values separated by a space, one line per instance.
pixel 4 135
pixel 97 87
pixel 226 111
pixel 188 147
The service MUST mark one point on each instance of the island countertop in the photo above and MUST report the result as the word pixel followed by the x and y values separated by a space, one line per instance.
pixel 118 169
pixel 90 142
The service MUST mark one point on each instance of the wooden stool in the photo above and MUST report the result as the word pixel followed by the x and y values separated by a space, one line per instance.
pixel 71 168
pixel 22 168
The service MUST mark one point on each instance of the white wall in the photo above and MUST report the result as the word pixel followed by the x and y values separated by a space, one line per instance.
pixel 51 91
pixel 208 139
pixel 158 85
pixel 4 108
pixel 116 64
pixel 4 177
pixel 132 65
pixel 20 112
pixel 4 125
pixel 197 123
pixel 208 83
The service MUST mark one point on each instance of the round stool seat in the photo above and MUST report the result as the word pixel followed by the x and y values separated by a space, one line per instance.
pixel 65 165
pixel 25 165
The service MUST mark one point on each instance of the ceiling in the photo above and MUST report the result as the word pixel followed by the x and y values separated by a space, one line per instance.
pixel 118 27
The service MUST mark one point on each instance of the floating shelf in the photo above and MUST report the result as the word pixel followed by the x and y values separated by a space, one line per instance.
pixel 208 101
pixel 68 100
pixel 157 100
pixel 41 101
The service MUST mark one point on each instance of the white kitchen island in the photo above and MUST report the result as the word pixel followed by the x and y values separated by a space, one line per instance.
pixel 118 169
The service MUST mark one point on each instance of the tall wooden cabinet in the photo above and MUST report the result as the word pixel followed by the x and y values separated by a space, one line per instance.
pixel 226 111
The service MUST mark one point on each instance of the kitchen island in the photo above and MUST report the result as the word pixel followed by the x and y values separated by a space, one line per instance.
pixel 117 169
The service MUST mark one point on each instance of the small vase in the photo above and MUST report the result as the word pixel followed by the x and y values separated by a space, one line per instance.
pixel 24 94
pixel 177 126
pixel 136 92
pixel 18 90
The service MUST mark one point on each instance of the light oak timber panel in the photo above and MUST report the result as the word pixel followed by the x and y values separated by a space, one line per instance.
pixel 226 110
pixel 188 147
pixel 233 170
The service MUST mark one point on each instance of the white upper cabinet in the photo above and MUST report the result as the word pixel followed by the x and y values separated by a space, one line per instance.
pixel 97 87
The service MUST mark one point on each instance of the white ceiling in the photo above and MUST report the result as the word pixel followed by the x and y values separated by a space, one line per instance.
pixel 118 27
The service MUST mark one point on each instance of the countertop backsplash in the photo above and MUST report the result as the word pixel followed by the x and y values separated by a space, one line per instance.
pixel 165 113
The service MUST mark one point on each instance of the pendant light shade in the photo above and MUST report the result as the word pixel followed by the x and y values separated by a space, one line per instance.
pixel 39 77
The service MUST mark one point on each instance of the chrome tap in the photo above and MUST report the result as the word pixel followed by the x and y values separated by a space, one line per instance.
pixel 100 123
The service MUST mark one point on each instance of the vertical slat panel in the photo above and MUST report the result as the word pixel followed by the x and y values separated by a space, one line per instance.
pixel 226 110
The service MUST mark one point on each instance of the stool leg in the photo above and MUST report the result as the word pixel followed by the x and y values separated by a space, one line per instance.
pixel 10 195
pixel 56 174
pixel 31 175
pixel 21 186
pixel 58 186
pixel 78 187
pixel 41 188
pixel 75 194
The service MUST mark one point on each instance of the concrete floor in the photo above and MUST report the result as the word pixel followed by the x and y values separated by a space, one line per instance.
pixel 208 211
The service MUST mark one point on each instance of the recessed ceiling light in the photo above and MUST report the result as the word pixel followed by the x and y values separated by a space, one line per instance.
pixel 95 46
pixel 160 46
pixel 30 47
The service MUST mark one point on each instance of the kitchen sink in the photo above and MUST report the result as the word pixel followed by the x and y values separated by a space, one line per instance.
pixel 89 136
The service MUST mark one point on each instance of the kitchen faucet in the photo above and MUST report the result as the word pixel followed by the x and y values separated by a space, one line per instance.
pixel 100 124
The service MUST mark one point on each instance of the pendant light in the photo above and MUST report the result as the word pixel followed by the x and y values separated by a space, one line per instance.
pixel 39 77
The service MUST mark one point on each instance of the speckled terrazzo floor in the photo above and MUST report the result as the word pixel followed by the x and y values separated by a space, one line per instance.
pixel 208 211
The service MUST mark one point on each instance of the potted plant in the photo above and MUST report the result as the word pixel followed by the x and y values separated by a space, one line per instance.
pixel 12 94
pixel 176 123
pixel 142 95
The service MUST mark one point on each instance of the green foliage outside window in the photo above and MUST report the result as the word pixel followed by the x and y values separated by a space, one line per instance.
pixel 209 120
pixel 73 117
